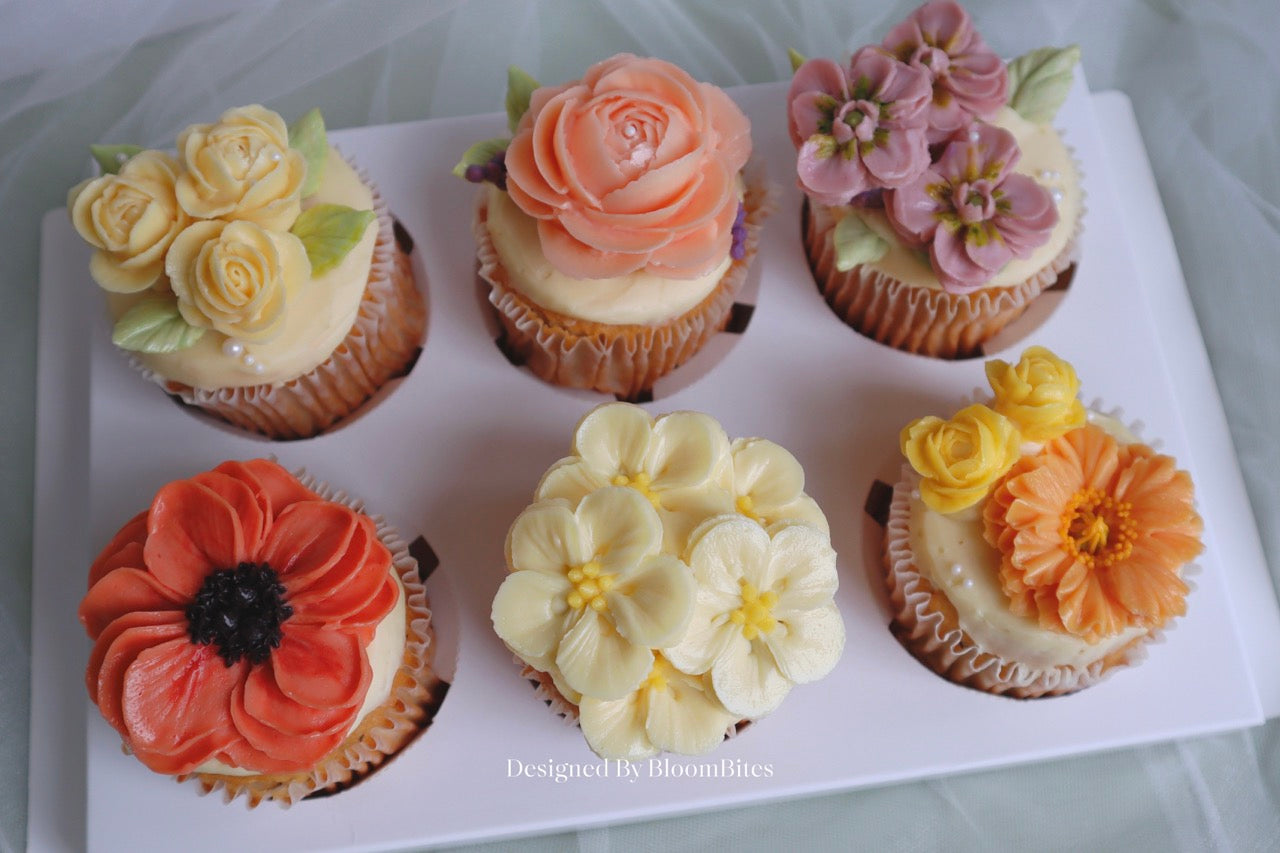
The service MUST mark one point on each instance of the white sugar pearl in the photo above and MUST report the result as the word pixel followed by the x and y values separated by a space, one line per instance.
pixel 629 130
pixel 248 360
pixel 957 569
pixel 121 156
pixel 973 135
pixel 968 583
pixel 259 368
pixel 277 156
pixel 915 494
pixel 1057 196
pixel 232 348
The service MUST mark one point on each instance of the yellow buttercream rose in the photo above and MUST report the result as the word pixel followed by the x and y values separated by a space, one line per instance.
pixel 960 459
pixel 130 218
pixel 1038 394
pixel 242 168
pixel 235 277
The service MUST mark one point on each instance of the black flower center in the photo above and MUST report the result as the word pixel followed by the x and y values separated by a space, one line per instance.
pixel 240 611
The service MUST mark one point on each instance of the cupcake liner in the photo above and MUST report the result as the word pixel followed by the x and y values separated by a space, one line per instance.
pixel 415 693
pixel 927 625
pixel 622 359
pixel 381 344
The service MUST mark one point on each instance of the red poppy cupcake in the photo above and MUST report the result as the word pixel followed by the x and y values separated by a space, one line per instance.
pixel 1034 546
pixel 258 634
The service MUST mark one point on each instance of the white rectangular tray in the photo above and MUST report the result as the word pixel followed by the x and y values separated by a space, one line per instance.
pixel 454 454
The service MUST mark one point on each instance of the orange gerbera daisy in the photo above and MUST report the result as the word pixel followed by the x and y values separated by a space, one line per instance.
pixel 231 619
pixel 1092 533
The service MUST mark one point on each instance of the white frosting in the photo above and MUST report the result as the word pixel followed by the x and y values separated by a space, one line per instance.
pixel 638 298
pixel 317 316
pixel 1045 159
pixel 385 655
pixel 950 552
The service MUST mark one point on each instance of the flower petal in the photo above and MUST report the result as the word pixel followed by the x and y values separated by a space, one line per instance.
pixel 596 660
pixel 766 473
pixel 123 591
pixel 619 528
pixel 253 520
pixel 651 603
pixel 321 669
pixel 529 613
pixel 729 550
pixel 708 635
pixel 747 681
pixel 276 485
pixel 124 549
pixel 614 729
pixel 545 538
pixel 614 438
pixel 192 531
pixel 686 718
pixel 801 567
pixel 571 479
pixel 685 451
pixel 117 647
pixel 684 509
pixel 307 541
pixel 807 645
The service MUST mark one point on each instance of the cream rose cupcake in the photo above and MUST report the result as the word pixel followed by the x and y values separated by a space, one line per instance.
pixel 616 226
pixel 940 200
pixel 1033 546
pixel 668 584
pixel 256 275
pixel 260 635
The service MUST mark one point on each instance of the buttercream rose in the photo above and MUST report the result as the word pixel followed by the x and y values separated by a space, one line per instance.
pixel 632 168
pixel 1038 394
pixel 960 459
pixel 242 168
pixel 130 218
pixel 235 277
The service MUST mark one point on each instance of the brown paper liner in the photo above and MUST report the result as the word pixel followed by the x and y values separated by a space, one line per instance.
pixel 620 359
pixel 926 623
pixel 415 693
pixel 920 320
pixel 382 343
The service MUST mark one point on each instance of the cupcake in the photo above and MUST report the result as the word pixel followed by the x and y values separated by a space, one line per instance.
pixel 939 199
pixel 1033 546
pixel 256 275
pixel 615 227
pixel 667 585
pixel 259 634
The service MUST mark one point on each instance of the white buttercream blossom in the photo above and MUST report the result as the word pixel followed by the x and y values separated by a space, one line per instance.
pixel 768 485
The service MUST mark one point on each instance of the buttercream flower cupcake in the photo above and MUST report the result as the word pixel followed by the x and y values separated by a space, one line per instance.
pixel 939 199
pixel 259 634
pixel 1033 546
pixel 615 227
pixel 256 275
pixel 668 584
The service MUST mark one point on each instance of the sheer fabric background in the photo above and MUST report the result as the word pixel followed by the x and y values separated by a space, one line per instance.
pixel 1203 80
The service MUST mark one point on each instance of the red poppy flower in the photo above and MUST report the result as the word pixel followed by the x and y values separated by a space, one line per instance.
pixel 231 619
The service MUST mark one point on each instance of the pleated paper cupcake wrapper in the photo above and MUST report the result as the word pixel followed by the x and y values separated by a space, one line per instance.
pixel 615 359
pixel 935 638
pixel 545 689
pixel 384 339
pixel 921 320
pixel 387 728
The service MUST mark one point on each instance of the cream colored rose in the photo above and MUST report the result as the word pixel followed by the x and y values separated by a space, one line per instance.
pixel 242 168
pixel 235 277
pixel 130 218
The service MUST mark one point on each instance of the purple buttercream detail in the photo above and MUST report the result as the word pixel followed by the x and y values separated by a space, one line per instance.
pixel 738 249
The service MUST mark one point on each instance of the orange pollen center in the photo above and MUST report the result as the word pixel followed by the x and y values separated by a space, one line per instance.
pixel 1097 529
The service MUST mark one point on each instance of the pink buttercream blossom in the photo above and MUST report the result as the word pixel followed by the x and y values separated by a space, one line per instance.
pixel 968 79
pixel 971 210
pixel 860 128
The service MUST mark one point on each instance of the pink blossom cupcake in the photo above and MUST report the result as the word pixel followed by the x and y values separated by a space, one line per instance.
pixel 940 201
pixel 616 227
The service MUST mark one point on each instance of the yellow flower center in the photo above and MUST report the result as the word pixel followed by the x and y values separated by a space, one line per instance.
pixel 589 587
pixel 659 675
pixel 755 616
pixel 1097 529
pixel 639 482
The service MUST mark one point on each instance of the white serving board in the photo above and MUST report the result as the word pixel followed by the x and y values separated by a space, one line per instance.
pixel 456 450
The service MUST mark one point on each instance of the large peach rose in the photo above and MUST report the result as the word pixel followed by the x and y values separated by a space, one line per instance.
pixel 632 168
pixel 242 168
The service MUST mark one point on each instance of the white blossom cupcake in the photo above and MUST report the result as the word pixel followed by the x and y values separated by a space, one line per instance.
pixel 668 584
pixel 256 275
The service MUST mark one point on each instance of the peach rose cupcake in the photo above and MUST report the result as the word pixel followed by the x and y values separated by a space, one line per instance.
pixel 260 635
pixel 616 228
pixel 255 276
pixel 939 200
pixel 1033 546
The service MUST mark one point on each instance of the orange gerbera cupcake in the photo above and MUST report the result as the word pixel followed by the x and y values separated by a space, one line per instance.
pixel 257 635
pixel 1033 546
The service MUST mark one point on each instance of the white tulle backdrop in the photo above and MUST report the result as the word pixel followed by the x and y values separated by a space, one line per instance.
pixel 1202 77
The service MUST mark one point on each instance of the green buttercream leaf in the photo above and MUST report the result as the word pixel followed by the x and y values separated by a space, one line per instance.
pixel 857 244
pixel 108 156
pixel 520 87
pixel 797 59
pixel 328 232
pixel 308 137
pixel 1039 81
pixel 154 324
pixel 480 154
